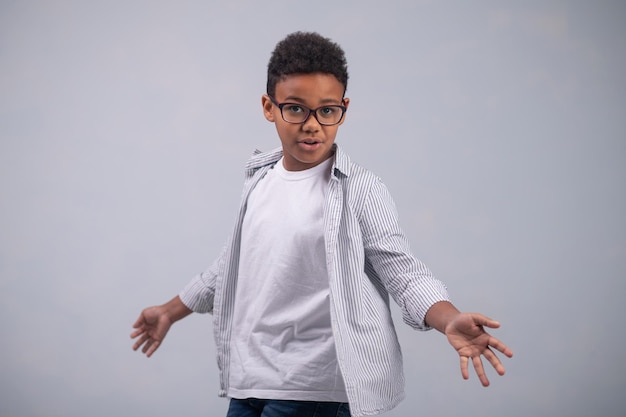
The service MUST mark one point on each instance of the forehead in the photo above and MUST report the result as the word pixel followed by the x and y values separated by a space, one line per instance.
pixel 309 87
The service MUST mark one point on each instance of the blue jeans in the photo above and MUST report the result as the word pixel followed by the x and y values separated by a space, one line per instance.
pixel 253 407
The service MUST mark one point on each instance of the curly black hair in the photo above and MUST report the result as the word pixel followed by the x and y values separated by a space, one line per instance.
pixel 306 53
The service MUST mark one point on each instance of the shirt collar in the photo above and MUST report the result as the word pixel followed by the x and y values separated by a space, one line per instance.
pixel 260 159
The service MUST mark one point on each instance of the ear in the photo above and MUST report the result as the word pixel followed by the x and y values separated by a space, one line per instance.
pixel 346 103
pixel 268 108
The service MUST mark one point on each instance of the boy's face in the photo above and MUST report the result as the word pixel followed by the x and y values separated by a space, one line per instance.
pixel 306 144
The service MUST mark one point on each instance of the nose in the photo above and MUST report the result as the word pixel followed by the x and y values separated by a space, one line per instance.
pixel 311 124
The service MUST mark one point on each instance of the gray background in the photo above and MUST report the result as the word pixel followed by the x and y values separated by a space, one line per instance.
pixel 124 125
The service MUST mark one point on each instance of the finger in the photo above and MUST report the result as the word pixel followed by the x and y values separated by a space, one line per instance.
pixel 480 371
pixel 494 361
pixel 137 333
pixel 501 347
pixel 147 345
pixel 153 348
pixel 464 367
pixel 141 341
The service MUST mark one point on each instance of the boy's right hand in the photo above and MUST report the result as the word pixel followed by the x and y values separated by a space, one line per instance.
pixel 152 326
pixel 154 323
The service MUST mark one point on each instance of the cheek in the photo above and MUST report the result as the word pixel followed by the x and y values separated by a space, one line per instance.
pixel 331 132
pixel 285 130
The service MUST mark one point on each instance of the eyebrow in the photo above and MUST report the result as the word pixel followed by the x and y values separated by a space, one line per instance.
pixel 324 101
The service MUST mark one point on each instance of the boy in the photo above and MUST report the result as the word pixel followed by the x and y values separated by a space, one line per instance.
pixel 300 293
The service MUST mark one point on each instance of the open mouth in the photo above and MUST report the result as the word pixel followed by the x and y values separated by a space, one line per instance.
pixel 310 142
pixel 309 145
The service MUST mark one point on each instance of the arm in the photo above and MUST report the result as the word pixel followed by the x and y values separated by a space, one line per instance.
pixel 466 334
pixel 197 296
pixel 390 261
pixel 422 298
pixel 154 322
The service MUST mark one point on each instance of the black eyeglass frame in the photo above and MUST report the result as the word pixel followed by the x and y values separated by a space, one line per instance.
pixel 309 112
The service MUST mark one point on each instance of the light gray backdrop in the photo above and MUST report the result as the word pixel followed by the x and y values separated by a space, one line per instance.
pixel 124 125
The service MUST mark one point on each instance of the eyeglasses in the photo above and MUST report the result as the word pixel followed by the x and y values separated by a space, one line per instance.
pixel 297 113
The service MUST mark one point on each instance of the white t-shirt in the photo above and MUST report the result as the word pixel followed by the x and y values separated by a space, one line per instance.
pixel 282 342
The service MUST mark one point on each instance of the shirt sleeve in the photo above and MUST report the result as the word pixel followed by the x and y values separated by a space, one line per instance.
pixel 199 294
pixel 389 259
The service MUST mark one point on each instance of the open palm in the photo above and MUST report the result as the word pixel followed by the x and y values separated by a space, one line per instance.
pixel 468 337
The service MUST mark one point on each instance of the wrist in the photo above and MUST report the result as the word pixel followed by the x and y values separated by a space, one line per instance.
pixel 440 315
pixel 175 309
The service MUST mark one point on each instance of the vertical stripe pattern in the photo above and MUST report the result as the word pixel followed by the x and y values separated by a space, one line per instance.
pixel 368 259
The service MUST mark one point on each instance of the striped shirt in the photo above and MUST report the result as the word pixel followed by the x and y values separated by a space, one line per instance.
pixel 367 258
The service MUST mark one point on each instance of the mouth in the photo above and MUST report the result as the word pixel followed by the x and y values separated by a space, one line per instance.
pixel 309 145
pixel 310 142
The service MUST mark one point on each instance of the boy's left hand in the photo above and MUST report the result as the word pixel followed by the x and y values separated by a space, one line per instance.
pixel 467 335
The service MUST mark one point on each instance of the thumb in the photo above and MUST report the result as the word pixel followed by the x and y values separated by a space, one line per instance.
pixel 482 320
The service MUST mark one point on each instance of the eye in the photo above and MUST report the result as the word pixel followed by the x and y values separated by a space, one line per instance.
pixel 293 108
pixel 327 112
